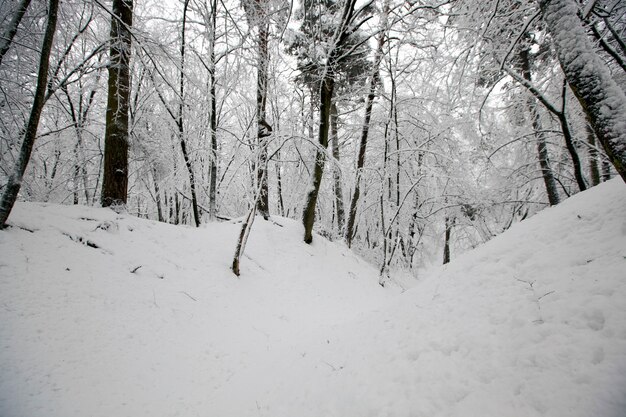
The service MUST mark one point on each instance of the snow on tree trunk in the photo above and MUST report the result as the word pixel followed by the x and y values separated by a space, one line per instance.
pixel 600 96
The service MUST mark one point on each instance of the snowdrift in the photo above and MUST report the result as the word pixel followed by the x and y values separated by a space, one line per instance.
pixel 108 315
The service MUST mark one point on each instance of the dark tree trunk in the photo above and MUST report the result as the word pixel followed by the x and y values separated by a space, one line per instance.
pixel 542 147
pixel 600 96
pixel 157 195
pixel 258 17
pixel 446 245
pixel 14 183
pixel 336 171
pixel 263 128
pixel 361 157
pixel 279 187
pixel 571 148
pixel 369 102
pixel 327 84
pixel 11 29
pixel 115 177
pixel 180 123
pixel 79 119
pixel 308 216
pixel 213 118
pixel 569 143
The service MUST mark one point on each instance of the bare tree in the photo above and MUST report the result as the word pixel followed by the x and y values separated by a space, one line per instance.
pixel 180 122
pixel 369 102
pixel 12 188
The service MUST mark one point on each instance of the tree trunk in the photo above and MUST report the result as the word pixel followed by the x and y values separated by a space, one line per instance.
pixel 600 96
pixel 571 148
pixel 115 177
pixel 246 227
pixel 180 123
pixel 11 29
pixel 79 118
pixel 446 245
pixel 157 195
pixel 263 128
pixel 606 170
pixel 213 118
pixel 594 170
pixel 569 143
pixel 542 147
pixel 14 183
pixel 336 171
pixel 308 216
pixel 279 188
pixel 361 157
pixel 369 102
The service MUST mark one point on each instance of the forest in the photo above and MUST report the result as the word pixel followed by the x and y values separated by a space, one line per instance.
pixel 314 208
pixel 410 130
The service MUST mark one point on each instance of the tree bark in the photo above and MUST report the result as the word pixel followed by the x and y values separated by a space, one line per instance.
pixel 336 171
pixel 542 147
pixel 569 143
pixel 369 102
pixel 14 183
pixel 181 125
pixel 213 117
pixel 308 216
pixel 446 245
pixel 115 177
pixel 258 17
pixel 600 96
pixel 11 29
pixel 263 128
pixel 594 170
pixel 180 122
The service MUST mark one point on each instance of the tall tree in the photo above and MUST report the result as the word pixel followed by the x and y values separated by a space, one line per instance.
pixel 369 102
pixel 335 53
pixel 256 11
pixel 180 121
pixel 600 96
pixel 331 53
pixel 115 176
pixel 211 19
pixel 542 146
pixel 12 187
pixel 334 139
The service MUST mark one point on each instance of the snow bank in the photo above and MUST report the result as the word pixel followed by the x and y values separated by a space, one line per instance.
pixel 533 323
pixel 108 315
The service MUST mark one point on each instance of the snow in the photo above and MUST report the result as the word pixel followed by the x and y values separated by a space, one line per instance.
pixel 533 323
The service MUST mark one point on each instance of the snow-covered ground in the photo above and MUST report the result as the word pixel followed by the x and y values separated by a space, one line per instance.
pixel 108 315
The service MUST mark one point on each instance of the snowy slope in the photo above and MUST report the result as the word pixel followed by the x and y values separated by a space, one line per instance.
pixel 82 335
pixel 531 324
